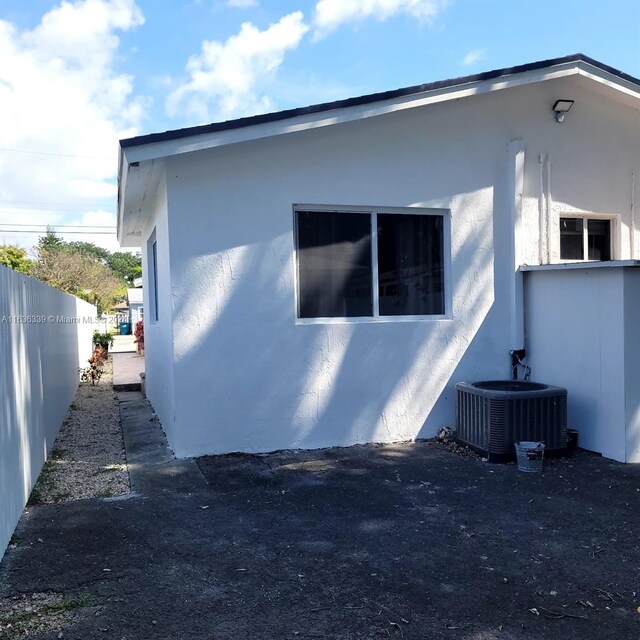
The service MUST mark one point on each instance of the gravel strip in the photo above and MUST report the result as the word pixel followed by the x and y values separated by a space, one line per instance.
pixel 88 458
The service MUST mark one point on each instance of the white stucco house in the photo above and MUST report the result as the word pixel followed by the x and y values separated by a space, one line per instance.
pixel 324 276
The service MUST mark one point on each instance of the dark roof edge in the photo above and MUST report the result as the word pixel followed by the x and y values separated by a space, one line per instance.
pixel 367 99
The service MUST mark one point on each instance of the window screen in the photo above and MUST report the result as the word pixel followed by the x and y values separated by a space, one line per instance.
pixel 410 265
pixel 334 264
pixel 571 239
pixel 585 235
pixel 599 239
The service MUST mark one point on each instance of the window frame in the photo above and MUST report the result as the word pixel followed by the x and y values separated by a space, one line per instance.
pixel 373 212
pixel 614 222
pixel 152 279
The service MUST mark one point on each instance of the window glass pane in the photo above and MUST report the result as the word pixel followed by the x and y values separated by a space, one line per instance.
pixel 154 298
pixel 599 239
pixel 410 265
pixel 334 264
pixel 571 239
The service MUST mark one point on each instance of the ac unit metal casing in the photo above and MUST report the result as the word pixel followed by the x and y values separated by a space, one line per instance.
pixel 491 416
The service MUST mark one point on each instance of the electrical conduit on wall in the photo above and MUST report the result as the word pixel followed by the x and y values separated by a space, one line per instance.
pixel 515 186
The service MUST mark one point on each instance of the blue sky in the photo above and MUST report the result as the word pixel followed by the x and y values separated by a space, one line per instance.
pixel 76 76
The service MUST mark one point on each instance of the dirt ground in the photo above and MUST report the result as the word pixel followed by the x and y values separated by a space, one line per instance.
pixel 413 541
pixel 406 541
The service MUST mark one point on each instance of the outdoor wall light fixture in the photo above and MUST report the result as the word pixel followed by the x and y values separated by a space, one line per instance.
pixel 560 107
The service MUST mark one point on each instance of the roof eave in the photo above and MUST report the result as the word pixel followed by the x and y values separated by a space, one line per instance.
pixel 139 152
pixel 246 129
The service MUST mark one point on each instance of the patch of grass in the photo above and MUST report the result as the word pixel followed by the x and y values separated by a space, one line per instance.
pixel 106 494
pixel 110 468
pixel 45 480
pixel 15 538
pixel 21 619
pixel 36 496
pixel 61 497
pixel 73 406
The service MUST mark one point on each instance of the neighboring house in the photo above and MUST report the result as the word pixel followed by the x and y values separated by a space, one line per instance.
pixel 121 308
pixel 121 311
pixel 324 276
pixel 136 310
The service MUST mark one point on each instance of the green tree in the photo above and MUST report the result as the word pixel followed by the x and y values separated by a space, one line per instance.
pixel 125 265
pixel 85 269
pixel 50 241
pixel 89 249
pixel 80 274
pixel 15 258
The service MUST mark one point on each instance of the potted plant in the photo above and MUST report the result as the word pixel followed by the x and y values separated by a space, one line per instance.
pixel 104 340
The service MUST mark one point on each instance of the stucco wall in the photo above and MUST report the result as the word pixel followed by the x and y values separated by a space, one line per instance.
pixel 158 336
pixel 247 377
pixel 582 335
pixel 587 165
pixel 39 362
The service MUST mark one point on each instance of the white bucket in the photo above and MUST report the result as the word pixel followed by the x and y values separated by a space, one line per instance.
pixel 530 456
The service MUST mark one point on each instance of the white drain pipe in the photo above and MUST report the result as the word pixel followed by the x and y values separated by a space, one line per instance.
pixel 515 182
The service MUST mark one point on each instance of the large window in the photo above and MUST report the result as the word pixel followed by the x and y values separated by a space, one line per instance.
pixel 585 238
pixel 370 264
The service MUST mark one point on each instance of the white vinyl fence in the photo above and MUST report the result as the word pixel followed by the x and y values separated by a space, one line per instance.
pixel 45 335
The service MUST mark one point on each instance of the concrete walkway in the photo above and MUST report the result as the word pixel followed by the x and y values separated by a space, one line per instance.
pixel 152 465
pixel 123 344
pixel 127 367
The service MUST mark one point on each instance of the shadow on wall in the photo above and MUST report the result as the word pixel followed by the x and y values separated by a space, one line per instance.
pixel 264 383
pixel 249 378
pixel 38 379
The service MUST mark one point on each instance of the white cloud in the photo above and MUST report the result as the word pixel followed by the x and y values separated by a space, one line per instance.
pixel 242 4
pixel 61 98
pixel 228 79
pixel 99 219
pixel 330 14
pixel 474 56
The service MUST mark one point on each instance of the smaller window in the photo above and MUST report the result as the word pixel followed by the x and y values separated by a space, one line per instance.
pixel 599 239
pixel 585 239
pixel 152 264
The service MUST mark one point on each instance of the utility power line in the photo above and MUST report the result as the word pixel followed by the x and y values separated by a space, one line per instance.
pixel 83 233
pixel 47 153
pixel 56 204
pixel 45 207
pixel 59 226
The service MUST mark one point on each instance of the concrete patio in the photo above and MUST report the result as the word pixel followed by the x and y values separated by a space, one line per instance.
pixel 406 541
